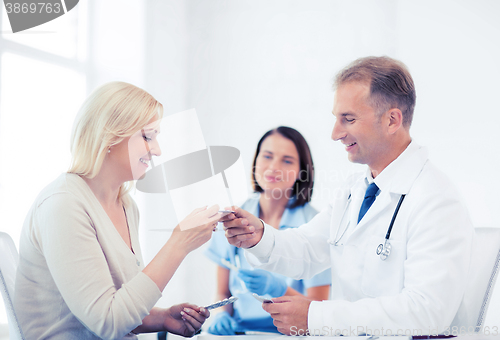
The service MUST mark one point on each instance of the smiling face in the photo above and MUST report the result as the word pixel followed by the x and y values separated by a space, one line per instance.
pixel 132 156
pixel 358 127
pixel 277 165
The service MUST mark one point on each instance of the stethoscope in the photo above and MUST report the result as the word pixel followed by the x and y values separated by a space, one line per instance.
pixel 383 250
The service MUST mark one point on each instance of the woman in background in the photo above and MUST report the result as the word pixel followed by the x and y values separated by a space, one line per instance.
pixel 81 274
pixel 282 178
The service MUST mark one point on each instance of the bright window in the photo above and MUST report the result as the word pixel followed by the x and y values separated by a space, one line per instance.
pixel 42 85
pixel 48 37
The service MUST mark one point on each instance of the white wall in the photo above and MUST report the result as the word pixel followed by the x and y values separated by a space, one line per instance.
pixel 116 40
pixel 456 70
pixel 248 66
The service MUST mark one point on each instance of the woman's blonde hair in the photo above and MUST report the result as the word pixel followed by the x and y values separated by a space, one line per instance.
pixel 110 114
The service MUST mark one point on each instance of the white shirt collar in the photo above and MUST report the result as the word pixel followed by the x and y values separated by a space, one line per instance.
pixel 399 175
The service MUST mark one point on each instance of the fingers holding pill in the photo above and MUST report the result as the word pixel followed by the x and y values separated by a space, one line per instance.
pixel 192 318
pixel 185 319
pixel 245 230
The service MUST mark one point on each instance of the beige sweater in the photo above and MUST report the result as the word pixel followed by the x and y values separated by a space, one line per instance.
pixel 77 279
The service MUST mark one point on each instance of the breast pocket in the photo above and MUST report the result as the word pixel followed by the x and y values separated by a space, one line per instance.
pixel 383 277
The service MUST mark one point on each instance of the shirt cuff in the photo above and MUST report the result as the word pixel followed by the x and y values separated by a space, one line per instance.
pixel 262 250
pixel 329 317
pixel 315 316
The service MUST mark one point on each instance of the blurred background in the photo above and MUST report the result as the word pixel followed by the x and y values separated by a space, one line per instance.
pixel 247 66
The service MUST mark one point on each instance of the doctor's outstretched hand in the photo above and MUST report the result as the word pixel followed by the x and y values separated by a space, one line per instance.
pixel 243 229
pixel 289 313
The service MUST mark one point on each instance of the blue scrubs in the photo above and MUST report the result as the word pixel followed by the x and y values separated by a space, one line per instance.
pixel 248 312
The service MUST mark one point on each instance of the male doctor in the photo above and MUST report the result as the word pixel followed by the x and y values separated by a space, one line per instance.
pixel 409 279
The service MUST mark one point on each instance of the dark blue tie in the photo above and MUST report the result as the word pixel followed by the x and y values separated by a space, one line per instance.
pixel 370 193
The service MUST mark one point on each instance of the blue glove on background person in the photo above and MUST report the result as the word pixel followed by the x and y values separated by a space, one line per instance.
pixel 263 282
pixel 223 324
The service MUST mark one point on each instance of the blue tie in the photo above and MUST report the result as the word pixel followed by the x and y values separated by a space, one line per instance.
pixel 370 193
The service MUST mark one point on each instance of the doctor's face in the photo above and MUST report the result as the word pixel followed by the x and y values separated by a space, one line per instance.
pixel 357 126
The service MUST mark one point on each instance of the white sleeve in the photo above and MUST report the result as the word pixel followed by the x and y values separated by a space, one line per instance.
pixel 82 274
pixel 299 253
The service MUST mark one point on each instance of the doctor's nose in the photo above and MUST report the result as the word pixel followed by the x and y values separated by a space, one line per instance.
pixel 338 132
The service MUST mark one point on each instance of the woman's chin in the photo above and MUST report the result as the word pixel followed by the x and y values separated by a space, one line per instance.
pixel 138 174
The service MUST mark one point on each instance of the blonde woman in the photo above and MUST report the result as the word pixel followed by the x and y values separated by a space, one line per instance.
pixel 81 274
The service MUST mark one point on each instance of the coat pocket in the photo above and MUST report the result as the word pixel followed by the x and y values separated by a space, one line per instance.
pixel 383 277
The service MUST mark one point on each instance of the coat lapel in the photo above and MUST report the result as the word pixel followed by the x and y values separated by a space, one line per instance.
pixel 395 183
pixel 380 205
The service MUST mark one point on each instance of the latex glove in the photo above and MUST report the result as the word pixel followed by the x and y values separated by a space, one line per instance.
pixel 223 324
pixel 263 282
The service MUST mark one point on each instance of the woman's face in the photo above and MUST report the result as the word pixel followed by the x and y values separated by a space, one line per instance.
pixel 277 166
pixel 133 155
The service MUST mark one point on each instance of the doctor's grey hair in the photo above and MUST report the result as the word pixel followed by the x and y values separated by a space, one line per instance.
pixel 391 85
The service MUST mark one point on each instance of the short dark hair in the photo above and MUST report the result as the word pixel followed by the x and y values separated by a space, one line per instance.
pixel 303 187
pixel 391 85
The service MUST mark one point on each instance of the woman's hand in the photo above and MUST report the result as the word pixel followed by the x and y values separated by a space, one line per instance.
pixel 185 319
pixel 196 229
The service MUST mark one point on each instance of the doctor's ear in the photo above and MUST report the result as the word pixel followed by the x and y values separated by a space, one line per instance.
pixel 395 117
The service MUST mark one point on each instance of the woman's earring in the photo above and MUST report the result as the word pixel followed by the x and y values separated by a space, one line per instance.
pixel 109 150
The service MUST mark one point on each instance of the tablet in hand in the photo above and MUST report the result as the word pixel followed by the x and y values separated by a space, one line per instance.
pixel 222 303
pixel 262 299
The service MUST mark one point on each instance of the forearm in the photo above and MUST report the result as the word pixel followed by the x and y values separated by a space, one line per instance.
pixel 223 291
pixel 154 322
pixel 221 296
pixel 164 264
pixel 229 307
pixel 292 253
pixel 318 293
pixel 291 292
pixel 297 253
pixel 197 230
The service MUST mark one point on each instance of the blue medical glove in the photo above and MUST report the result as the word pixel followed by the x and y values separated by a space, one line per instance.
pixel 223 324
pixel 263 282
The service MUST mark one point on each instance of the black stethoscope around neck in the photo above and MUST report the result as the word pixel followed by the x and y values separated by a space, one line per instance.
pixel 383 250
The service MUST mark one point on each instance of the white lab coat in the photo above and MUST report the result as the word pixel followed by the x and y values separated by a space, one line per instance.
pixel 418 288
